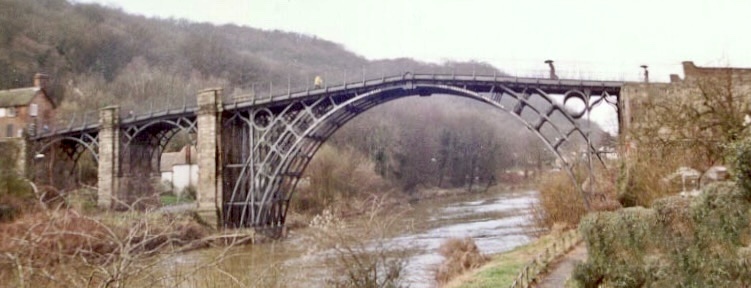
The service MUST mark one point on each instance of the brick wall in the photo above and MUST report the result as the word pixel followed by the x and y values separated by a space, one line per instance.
pixel 20 122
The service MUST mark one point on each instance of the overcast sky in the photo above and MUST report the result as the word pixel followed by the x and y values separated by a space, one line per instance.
pixel 602 39
pixel 589 37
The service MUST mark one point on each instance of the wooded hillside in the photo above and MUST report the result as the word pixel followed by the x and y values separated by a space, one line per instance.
pixel 99 56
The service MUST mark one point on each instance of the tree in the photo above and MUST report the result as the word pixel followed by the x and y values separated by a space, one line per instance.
pixel 683 124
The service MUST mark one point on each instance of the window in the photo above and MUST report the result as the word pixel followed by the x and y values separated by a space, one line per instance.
pixel 2 112
pixel 33 110
pixel 9 131
pixel 11 112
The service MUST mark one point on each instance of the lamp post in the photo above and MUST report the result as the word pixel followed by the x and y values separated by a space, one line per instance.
pixel 553 76
pixel 646 73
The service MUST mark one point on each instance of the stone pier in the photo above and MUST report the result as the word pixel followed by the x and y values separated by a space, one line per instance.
pixel 109 155
pixel 209 190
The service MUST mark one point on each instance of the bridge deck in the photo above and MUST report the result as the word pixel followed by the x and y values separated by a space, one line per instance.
pixel 245 101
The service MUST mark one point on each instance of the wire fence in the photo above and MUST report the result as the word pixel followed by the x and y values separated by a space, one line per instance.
pixel 529 274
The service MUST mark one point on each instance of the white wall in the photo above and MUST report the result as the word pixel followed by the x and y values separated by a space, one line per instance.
pixel 184 175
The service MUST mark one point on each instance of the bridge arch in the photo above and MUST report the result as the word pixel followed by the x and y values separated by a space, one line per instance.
pixel 61 172
pixel 286 138
pixel 144 142
pixel 87 142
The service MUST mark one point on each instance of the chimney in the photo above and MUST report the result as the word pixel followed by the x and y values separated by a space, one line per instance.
pixel 40 80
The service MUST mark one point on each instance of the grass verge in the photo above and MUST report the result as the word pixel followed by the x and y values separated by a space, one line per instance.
pixel 170 200
pixel 504 267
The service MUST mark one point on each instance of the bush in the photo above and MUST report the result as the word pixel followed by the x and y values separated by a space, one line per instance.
pixel 63 248
pixel 337 175
pixel 739 159
pixel 559 202
pixel 687 242
pixel 639 180
pixel 460 255
pixel 360 256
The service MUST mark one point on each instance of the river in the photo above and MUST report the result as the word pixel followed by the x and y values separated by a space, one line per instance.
pixel 497 222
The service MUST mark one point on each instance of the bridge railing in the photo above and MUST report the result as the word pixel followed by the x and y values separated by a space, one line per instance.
pixel 297 80
pixel 306 80
pixel 67 123
pixel 157 106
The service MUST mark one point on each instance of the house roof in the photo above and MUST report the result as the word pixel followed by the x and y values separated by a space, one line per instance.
pixel 17 97
pixel 170 159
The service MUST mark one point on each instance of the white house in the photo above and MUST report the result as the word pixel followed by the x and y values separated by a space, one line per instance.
pixel 180 169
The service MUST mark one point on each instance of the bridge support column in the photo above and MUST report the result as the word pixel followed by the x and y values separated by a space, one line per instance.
pixel 109 155
pixel 209 124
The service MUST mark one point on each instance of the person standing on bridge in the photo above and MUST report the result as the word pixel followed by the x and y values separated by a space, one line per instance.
pixel 318 82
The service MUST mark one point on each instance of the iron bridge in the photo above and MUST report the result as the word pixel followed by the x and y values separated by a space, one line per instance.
pixel 254 150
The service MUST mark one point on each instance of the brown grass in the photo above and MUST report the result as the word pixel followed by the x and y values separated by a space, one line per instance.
pixel 461 255
pixel 66 248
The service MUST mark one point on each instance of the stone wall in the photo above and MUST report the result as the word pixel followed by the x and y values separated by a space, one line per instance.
pixel 633 94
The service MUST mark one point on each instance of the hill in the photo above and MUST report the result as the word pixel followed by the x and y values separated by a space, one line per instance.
pixel 100 56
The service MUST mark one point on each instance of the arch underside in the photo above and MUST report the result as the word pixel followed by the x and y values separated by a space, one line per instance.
pixel 58 171
pixel 140 157
pixel 143 144
pixel 266 149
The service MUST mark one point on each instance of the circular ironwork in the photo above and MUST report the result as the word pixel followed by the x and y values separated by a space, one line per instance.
pixel 579 107
pixel 262 118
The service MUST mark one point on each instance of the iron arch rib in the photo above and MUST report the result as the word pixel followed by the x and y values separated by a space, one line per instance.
pixel 284 148
pixel 89 142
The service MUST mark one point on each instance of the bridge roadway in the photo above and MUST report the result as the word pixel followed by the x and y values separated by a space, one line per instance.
pixel 256 148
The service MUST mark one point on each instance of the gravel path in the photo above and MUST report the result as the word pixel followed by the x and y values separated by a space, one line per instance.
pixel 561 269
pixel 177 208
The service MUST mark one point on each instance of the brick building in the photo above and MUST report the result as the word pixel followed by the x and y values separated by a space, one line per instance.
pixel 25 110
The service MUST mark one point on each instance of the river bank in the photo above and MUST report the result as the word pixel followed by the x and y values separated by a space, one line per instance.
pixel 39 244
pixel 504 268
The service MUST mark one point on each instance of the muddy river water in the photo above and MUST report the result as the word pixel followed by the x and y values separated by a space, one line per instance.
pixel 496 221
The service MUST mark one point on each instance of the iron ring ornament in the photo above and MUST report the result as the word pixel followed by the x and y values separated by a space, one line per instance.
pixel 577 111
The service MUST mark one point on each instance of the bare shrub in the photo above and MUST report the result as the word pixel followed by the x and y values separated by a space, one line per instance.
pixel 66 249
pixel 460 255
pixel 360 256
pixel 640 180
pixel 337 176
pixel 558 202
